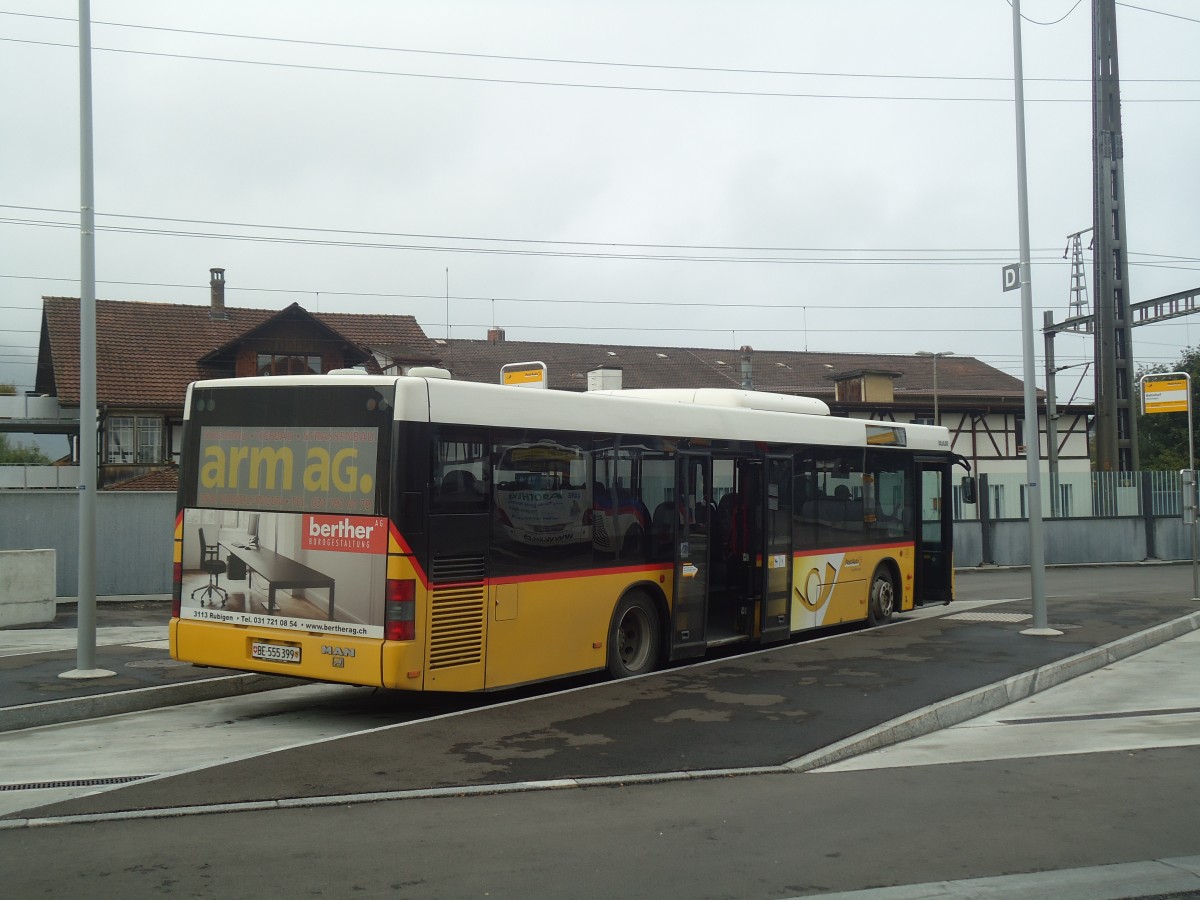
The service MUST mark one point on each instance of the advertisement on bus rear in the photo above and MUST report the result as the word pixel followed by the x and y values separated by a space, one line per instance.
pixel 315 572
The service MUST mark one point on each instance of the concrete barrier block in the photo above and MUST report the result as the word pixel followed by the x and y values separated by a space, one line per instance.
pixel 27 587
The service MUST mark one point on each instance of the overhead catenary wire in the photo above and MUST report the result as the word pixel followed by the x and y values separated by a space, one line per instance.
pixel 511 251
pixel 1000 253
pixel 640 88
pixel 807 306
pixel 560 61
pixel 459 237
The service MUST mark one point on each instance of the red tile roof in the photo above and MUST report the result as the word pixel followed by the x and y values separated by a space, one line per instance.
pixel 158 480
pixel 147 353
pixel 780 371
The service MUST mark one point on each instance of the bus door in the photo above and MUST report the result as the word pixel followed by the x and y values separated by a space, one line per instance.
pixel 934 539
pixel 693 515
pixel 455 632
pixel 777 551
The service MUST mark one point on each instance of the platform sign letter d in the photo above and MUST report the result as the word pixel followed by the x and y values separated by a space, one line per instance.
pixel 1012 277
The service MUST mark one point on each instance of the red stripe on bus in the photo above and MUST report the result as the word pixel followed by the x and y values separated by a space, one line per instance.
pixel 395 533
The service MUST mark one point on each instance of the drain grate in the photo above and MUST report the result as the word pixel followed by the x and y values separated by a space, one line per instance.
pixel 72 782
pixel 990 617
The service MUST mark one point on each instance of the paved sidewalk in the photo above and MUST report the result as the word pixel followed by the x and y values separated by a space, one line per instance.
pixel 131 642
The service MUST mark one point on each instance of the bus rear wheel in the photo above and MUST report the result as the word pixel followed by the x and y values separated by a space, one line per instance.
pixel 882 602
pixel 633 637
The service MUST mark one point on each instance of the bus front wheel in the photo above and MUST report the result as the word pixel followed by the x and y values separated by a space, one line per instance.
pixel 633 637
pixel 882 602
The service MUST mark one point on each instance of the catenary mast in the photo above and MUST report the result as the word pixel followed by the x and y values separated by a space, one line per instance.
pixel 1116 422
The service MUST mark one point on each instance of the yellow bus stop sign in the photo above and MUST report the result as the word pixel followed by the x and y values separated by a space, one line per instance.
pixel 1166 396
pixel 526 374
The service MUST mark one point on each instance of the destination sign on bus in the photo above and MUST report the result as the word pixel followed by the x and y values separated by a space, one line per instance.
pixel 311 469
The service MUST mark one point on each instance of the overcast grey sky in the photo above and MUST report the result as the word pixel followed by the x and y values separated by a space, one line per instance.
pixel 597 171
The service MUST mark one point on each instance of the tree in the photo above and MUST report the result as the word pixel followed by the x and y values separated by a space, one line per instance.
pixel 1163 437
pixel 16 454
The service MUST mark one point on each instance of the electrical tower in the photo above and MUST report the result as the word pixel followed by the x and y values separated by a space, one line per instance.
pixel 1116 422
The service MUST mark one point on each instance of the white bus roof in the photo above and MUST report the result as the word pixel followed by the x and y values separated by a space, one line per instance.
pixel 703 413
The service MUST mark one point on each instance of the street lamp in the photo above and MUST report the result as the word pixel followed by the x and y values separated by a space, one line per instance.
pixel 935 357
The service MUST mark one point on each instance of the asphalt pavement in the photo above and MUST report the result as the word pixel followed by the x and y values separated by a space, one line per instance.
pixel 783 709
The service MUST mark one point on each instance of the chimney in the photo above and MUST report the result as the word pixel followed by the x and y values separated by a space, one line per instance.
pixel 605 378
pixel 747 372
pixel 216 286
pixel 495 335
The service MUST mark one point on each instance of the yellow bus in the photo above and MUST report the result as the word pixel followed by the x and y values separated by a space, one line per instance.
pixel 419 533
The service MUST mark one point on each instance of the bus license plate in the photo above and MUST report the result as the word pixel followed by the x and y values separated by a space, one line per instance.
pixel 287 653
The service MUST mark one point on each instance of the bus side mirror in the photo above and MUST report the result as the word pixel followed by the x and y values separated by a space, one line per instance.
pixel 968 489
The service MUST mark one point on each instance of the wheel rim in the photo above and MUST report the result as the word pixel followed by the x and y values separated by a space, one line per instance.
pixel 885 597
pixel 633 644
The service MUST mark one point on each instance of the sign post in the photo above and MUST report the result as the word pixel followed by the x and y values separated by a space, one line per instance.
pixel 1171 392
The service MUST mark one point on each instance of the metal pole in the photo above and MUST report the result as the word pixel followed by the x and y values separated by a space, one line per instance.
pixel 1192 466
pixel 1051 413
pixel 1188 502
pixel 1037 552
pixel 936 419
pixel 85 657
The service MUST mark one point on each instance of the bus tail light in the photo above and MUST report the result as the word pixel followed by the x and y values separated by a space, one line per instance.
pixel 176 589
pixel 400 612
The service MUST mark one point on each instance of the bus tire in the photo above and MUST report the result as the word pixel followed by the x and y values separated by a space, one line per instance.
pixel 633 637
pixel 882 601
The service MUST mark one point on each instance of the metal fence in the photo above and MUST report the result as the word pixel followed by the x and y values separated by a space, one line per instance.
pixel 1111 517
pixel 1075 495
pixel 134 533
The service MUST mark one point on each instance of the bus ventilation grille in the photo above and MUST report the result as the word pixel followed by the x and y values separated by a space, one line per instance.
pixel 459 607
pixel 453 569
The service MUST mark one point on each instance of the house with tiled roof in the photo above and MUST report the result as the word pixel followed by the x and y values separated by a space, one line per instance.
pixel 147 353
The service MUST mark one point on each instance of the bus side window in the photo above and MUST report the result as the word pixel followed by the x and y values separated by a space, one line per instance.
pixel 893 494
pixel 460 472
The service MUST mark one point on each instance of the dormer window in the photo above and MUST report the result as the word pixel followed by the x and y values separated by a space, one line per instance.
pixel 288 364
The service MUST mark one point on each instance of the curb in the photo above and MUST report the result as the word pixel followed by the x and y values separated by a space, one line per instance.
pixel 57 712
pixel 946 713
